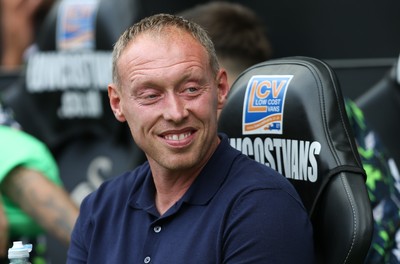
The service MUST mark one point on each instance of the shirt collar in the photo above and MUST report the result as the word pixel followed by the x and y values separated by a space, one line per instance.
pixel 213 174
pixel 203 188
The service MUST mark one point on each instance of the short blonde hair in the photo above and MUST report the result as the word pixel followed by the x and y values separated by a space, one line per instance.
pixel 157 24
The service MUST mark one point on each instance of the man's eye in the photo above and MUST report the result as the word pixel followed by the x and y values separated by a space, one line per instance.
pixel 151 96
pixel 192 90
pixel 148 98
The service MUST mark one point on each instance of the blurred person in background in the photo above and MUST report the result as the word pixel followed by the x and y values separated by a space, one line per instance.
pixel 241 41
pixel 238 34
pixel 20 20
pixel 32 199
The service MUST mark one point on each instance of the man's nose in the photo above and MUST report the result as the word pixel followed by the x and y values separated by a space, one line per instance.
pixel 175 108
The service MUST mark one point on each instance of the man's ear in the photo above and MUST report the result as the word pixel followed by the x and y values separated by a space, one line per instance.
pixel 223 88
pixel 115 102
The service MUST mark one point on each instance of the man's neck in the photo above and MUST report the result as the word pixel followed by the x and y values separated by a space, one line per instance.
pixel 170 188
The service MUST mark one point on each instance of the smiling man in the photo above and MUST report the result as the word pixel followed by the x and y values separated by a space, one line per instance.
pixel 196 199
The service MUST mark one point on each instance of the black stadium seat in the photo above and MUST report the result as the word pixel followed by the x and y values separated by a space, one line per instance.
pixel 289 114
pixel 61 96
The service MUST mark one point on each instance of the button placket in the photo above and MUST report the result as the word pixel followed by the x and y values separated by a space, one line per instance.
pixel 147 259
pixel 157 229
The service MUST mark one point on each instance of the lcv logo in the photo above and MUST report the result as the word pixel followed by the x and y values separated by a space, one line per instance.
pixel 264 103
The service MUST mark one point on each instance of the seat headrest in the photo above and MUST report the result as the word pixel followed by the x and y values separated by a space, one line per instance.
pixel 289 114
pixel 87 25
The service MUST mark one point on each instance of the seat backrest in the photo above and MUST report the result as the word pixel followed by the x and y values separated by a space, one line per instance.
pixel 381 108
pixel 289 114
pixel 61 96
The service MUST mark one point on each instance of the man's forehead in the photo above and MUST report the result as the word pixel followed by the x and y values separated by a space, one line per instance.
pixel 168 41
pixel 169 52
pixel 165 33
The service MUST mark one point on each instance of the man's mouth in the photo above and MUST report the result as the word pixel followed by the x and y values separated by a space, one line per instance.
pixel 177 137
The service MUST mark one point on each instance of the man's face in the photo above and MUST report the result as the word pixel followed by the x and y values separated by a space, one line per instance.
pixel 169 97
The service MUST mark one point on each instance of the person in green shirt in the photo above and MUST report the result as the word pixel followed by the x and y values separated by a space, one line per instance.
pixel 33 200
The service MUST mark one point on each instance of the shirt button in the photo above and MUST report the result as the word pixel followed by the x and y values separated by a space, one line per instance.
pixel 157 229
pixel 147 259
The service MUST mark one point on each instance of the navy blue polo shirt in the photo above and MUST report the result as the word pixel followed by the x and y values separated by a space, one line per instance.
pixel 236 211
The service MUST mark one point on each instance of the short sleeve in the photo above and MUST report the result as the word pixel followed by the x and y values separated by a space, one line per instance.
pixel 21 149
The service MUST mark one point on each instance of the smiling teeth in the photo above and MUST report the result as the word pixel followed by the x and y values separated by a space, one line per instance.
pixel 177 137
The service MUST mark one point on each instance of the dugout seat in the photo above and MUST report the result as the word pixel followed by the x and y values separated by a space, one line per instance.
pixel 381 108
pixel 61 96
pixel 289 114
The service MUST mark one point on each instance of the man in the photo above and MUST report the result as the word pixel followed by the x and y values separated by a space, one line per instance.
pixel 197 199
